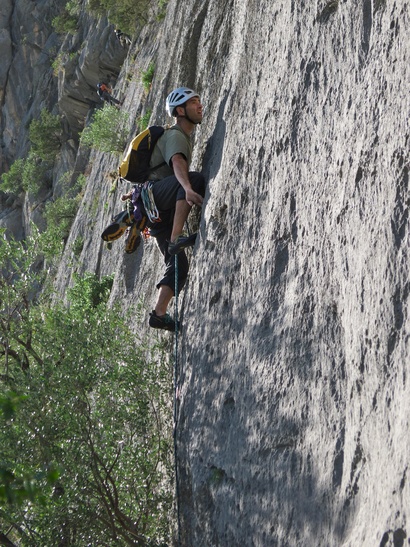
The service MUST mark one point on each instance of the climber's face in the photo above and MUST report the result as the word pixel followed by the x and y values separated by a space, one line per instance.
pixel 194 109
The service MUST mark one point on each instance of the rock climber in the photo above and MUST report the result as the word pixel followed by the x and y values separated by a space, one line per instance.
pixel 175 190
pixel 105 94
pixel 123 38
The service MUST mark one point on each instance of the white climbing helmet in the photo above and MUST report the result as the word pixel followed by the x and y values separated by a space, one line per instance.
pixel 178 97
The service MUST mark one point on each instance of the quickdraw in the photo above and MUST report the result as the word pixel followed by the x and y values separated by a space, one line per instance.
pixel 149 202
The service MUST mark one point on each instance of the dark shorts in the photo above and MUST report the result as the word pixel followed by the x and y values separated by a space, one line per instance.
pixel 166 193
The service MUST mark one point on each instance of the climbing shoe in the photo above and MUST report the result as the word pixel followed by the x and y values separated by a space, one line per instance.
pixel 164 322
pixel 119 225
pixel 181 242
pixel 133 235
pixel 132 239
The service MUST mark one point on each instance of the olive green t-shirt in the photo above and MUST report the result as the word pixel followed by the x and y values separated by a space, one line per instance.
pixel 173 141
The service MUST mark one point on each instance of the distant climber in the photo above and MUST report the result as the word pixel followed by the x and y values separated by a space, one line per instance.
pixel 123 38
pixel 105 94
pixel 174 191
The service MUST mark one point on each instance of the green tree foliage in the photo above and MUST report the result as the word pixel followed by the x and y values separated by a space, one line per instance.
pixel 28 174
pixel 15 488
pixel 34 171
pixel 67 21
pixel 60 215
pixel 147 76
pixel 12 181
pixel 162 4
pixel 86 440
pixel 143 121
pixel 45 136
pixel 107 131
pixel 125 14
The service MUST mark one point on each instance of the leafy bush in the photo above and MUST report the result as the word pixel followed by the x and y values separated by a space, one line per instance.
pixel 89 292
pixel 147 76
pixel 80 182
pixel 36 173
pixel 29 174
pixel 162 4
pixel 45 136
pixel 60 215
pixel 12 181
pixel 32 173
pixel 77 246
pixel 94 407
pixel 107 131
pixel 124 14
pixel 74 7
pixel 61 212
pixel 62 59
pixel 65 23
pixel 143 121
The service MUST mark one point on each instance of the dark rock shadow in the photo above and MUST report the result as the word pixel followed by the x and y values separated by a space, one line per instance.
pixel 236 489
pixel 214 148
pixel 132 266
pixel 244 462
pixel 212 158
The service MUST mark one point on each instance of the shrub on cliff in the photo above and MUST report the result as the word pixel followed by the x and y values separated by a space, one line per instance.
pixel 65 24
pixel 26 174
pixel 125 14
pixel 108 130
pixel 45 136
pixel 33 172
pixel 60 212
pixel 12 181
pixel 92 409
pixel 67 21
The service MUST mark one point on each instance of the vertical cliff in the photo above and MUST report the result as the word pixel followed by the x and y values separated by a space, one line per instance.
pixel 58 72
pixel 293 420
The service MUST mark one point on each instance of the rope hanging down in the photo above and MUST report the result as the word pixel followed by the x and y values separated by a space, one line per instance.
pixel 176 395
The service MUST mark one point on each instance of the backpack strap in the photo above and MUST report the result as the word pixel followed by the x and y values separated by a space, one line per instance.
pixel 157 166
pixel 164 162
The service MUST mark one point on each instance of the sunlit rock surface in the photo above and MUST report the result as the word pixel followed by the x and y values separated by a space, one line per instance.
pixel 293 419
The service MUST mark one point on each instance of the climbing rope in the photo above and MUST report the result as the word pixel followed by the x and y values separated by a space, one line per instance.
pixel 176 328
pixel 176 395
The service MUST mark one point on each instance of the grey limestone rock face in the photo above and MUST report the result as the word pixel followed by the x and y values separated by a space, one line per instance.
pixel 28 83
pixel 293 423
pixel 293 419
pixel 99 59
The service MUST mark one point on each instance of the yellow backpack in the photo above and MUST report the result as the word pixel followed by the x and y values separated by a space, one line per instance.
pixel 135 165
